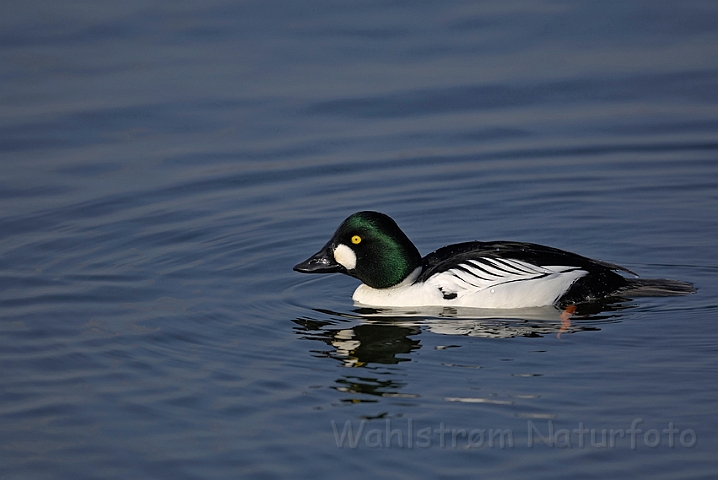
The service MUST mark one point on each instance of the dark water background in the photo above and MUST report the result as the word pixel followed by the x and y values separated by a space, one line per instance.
pixel 164 164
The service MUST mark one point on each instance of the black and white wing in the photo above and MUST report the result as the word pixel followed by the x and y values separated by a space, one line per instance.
pixel 512 273
pixel 480 274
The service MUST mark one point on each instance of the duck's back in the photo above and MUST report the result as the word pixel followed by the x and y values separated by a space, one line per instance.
pixel 516 274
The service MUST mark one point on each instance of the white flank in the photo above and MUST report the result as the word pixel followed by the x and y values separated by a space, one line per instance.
pixel 345 256
pixel 485 283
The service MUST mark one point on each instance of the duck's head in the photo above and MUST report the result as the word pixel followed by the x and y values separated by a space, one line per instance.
pixel 369 246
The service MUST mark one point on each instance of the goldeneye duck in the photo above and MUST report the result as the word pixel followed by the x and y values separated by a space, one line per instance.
pixel 370 246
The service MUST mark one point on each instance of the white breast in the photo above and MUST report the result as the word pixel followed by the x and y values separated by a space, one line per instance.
pixel 480 283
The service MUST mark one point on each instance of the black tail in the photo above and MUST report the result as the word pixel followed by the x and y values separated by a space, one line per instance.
pixel 655 287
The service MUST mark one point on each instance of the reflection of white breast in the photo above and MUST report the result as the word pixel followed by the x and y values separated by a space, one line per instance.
pixel 481 283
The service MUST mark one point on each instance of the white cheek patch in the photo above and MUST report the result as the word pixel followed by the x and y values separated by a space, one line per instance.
pixel 345 256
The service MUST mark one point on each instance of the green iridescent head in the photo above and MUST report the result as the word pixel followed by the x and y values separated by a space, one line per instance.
pixel 369 246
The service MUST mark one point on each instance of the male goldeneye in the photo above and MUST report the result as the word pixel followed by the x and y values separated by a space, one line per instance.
pixel 371 247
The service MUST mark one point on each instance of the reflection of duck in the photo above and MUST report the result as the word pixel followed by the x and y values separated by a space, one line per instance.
pixel 371 247
pixel 386 333
pixel 388 336
pixel 498 323
pixel 366 344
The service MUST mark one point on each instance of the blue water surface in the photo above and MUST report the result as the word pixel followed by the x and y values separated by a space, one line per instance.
pixel 163 165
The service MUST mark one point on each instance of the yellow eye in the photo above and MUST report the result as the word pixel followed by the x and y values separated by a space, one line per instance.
pixel 356 239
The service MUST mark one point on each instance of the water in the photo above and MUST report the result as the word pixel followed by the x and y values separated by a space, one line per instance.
pixel 164 165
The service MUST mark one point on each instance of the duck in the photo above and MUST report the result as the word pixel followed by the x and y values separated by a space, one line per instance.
pixel 371 247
